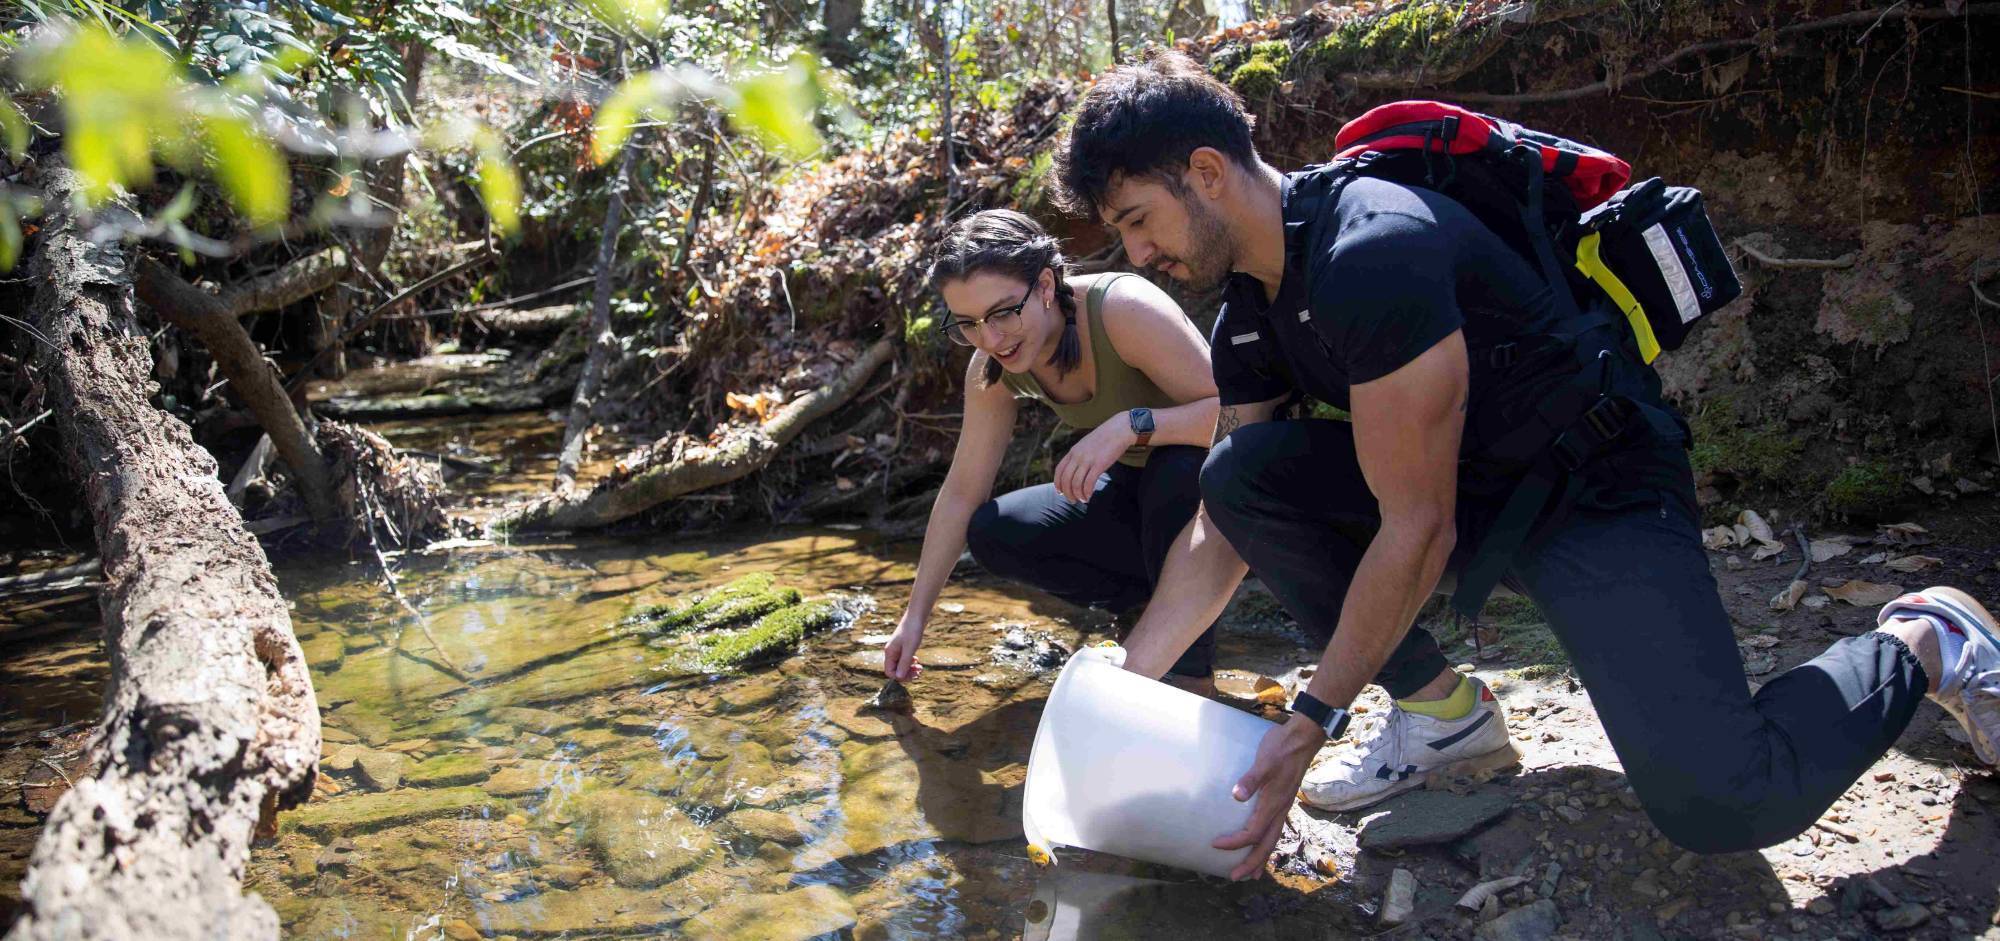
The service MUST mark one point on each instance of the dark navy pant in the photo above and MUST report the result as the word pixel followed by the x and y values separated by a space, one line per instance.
pixel 1624 583
pixel 1106 553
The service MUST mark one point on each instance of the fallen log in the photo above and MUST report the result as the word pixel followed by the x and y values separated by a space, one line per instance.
pixel 532 322
pixel 236 355
pixel 438 404
pixel 620 499
pixel 297 280
pixel 209 723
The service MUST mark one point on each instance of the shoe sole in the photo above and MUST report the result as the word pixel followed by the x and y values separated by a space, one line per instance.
pixel 1983 622
pixel 1975 617
pixel 1506 756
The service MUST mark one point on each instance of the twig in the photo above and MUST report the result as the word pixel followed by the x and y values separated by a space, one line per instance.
pixel 1878 21
pixel 1773 261
pixel 1971 91
pixel 784 285
pixel 1605 86
pixel 503 302
pixel 52 766
pixel 389 579
pixel 1838 830
pixel 1805 552
pixel 32 422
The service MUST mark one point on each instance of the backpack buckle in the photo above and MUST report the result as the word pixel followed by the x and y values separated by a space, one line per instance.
pixel 1600 424
pixel 1502 356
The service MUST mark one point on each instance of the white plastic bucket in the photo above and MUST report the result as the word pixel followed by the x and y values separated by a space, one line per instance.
pixel 1136 768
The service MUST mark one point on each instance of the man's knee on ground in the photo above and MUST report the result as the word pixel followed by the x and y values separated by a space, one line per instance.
pixel 1709 822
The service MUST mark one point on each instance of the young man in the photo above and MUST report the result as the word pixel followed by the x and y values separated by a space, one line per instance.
pixel 1394 311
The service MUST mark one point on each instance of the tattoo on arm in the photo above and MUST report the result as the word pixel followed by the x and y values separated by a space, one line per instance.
pixel 1225 422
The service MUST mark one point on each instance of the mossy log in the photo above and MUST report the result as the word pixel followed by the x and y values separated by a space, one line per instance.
pixel 620 499
pixel 209 722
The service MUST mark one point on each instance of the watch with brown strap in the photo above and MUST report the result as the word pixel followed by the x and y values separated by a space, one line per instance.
pixel 1142 426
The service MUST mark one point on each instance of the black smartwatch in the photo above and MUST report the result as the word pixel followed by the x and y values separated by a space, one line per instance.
pixel 1142 426
pixel 1330 720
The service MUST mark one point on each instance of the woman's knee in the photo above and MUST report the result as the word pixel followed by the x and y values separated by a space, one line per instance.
pixel 986 537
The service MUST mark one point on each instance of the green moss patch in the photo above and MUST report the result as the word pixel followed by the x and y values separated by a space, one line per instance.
pixel 1868 489
pixel 1725 443
pixel 1415 34
pixel 773 634
pixel 751 596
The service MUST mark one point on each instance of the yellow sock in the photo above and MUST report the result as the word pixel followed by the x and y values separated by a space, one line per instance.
pixel 1458 705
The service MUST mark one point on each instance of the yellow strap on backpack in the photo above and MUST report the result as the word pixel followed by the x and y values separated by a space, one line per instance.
pixel 1593 267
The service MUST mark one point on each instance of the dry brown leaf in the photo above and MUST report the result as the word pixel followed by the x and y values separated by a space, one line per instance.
pixel 1789 598
pixel 1742 534
pixel 1760 641
pixel 1905 534
pixel 1759 530
pixel 1913 563
pixel 1759 664
pixel 1863 594
pixel 1876 559
pixel 1924 485
pixel 1720 537
pixel 1767 550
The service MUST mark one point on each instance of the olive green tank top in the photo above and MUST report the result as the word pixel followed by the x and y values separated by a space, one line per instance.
pixel 1120 385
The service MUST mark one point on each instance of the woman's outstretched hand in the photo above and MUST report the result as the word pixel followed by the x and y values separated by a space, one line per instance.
pixel 899 657
pixel 1077 473
pixel 1273 779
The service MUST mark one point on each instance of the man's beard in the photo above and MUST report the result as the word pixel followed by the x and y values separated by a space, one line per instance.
pixel 1211 254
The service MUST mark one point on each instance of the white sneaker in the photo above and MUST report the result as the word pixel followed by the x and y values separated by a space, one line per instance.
pixel 1405 750
pixel 1970 687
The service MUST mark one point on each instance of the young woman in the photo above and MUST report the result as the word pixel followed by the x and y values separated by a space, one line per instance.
pixel 1108 353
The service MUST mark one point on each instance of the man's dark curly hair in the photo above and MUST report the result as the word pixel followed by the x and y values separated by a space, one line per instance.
pixel 1143 121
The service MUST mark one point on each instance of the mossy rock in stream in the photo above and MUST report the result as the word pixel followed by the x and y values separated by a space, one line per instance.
pixel 751 596
pixel 774 634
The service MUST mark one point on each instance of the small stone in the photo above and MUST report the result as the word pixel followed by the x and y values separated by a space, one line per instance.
pixel 1535 922
pixel 458 929
pixel 381 770
pixel 1569 813
pixel 1400 900
pixel 1820 906
pixel 1683 864
pixel 1902 917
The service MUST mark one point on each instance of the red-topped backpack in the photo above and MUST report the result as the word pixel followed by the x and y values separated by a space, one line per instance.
pixel 1643 256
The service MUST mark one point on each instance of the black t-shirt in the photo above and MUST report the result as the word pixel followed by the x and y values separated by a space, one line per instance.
pixel 1395 271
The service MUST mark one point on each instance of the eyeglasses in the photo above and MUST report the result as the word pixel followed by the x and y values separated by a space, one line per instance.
pixel 1006 320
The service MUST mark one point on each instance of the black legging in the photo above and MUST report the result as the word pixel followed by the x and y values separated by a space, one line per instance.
pixel 1106 553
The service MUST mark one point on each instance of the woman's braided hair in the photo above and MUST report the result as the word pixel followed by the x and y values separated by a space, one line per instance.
pixel 1005 242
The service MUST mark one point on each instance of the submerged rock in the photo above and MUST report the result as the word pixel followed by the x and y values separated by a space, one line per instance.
pixel 770 826
pixel 753 692
pixel 798 915
pixel 644 840
pixel 892 697
pixel 381 770
pixel 585 913
pixel 448 770
pixel 366 812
